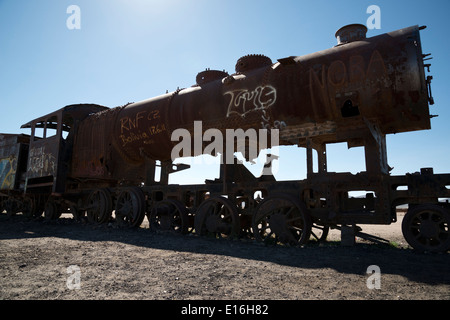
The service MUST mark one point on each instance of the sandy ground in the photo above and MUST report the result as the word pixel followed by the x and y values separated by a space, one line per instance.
pixel 113 263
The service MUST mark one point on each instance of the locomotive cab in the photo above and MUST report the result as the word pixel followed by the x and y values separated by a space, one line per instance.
pixel 50 149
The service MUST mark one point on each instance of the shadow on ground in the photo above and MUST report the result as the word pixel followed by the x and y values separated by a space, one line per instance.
pixel 420 267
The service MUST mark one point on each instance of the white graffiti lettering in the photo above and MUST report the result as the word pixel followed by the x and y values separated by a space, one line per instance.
pixel 41 163
pixel 244 101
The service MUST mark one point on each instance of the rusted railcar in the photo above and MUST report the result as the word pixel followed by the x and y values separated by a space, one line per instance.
pixel 356 92
pixel 13 164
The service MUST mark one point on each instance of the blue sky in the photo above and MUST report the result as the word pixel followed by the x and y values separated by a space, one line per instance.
pixel 131 50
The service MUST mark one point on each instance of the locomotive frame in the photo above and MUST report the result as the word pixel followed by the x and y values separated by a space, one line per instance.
pixel 63 167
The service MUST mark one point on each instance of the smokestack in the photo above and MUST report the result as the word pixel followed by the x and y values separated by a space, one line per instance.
pixel 350 33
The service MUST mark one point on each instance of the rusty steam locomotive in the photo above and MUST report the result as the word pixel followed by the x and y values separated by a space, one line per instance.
pixel 101 163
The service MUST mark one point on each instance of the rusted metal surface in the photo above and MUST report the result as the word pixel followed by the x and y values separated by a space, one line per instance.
pixel 13 164
pixel 98 160
pixel 50 150
pixel 326 95
pixel 95 155
pixel 351 33
pixel 355 92
pixel 13 155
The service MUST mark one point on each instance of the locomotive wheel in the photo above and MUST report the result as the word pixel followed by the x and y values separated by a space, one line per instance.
pixel 51 211
pixel 99 206
pixel 427 228
pixel 130 207
pixel 282 218
pixel 319 232
pixel 11 206
pixel 30 209
pixel 77 214
pixel 169 215
pixel 217 216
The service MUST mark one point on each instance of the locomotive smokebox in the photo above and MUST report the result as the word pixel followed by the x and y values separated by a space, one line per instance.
pixel 350 33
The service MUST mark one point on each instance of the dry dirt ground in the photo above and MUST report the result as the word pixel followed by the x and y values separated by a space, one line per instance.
pixel 115 263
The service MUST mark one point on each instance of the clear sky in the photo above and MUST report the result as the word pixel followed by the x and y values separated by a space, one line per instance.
pixel 131 50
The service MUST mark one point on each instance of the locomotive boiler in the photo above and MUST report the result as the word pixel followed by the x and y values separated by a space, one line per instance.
pixel 94 160
pixel 378 81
